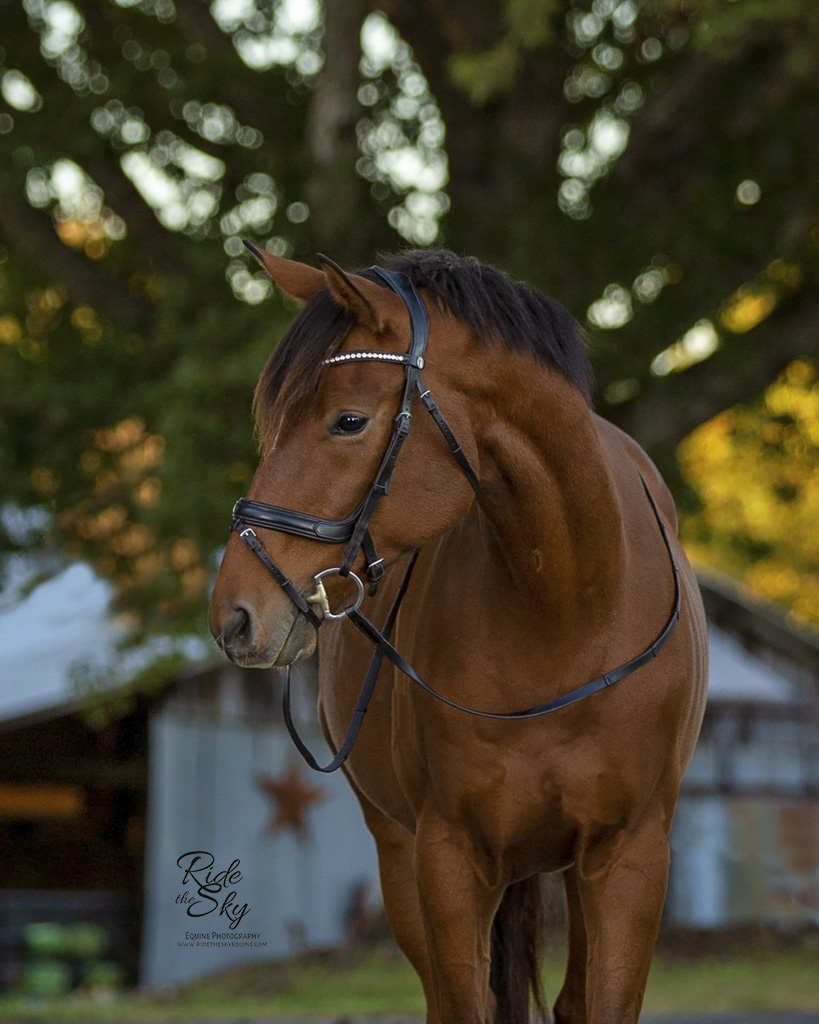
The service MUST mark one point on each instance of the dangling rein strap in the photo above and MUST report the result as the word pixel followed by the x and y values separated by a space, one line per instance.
pixel 366 689
pixel 384 649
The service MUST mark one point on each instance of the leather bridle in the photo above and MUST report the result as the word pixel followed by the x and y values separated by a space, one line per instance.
pixel 354 530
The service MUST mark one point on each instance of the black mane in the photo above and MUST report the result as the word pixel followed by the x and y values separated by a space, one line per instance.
pixel 481 297
pixel 496 308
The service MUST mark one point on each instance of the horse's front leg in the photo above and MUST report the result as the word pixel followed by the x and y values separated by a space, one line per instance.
pixel 457 907
pixel 396 860
pixel 570 1007
pixel 622 882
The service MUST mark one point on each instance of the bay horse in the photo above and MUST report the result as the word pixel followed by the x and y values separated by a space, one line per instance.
pixel 537 683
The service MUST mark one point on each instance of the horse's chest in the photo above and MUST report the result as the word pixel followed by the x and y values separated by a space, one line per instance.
pixel 510 804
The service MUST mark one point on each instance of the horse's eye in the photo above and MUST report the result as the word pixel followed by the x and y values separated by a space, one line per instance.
pixel 349 423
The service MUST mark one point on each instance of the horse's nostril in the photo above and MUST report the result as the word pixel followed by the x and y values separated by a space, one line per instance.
pixel 242 628
pixel 238 631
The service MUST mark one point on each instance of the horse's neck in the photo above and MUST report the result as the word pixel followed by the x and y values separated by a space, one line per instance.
pixel 550 502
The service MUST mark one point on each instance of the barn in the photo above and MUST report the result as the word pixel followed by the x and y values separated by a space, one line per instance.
pixel 97 814
pixel 745 839
pixel 246 857
pixel 188 830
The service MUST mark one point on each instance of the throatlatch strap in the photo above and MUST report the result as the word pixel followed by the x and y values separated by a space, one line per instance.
pixel 460 456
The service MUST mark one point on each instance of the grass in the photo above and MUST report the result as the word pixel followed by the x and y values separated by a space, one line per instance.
pixel 787 980
pixel 379 981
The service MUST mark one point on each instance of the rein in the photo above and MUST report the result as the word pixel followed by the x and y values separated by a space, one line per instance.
pixel 354 529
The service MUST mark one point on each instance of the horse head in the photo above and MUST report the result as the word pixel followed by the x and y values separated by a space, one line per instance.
pixel 333 408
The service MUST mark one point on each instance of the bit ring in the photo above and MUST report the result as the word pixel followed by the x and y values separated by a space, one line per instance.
pixel 319 596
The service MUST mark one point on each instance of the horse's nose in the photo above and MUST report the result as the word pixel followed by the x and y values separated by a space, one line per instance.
pixel 235 634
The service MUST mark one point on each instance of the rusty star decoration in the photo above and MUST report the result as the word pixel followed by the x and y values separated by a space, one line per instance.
pixel 292 798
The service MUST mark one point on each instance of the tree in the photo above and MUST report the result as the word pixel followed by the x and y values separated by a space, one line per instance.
pixel 646 163
pixel 754 468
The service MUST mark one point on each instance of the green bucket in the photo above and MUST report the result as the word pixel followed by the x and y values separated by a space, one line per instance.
pixel 86 941
pixel 46 939
pixel 47 979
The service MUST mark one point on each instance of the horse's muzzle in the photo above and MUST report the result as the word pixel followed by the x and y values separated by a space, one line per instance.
pixel 242 637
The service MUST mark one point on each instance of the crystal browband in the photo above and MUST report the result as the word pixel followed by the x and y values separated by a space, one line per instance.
pixel 380 357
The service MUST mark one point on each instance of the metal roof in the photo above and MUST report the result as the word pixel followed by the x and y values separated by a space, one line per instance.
pixel 60 624
pixel 60 633
pixel 734 674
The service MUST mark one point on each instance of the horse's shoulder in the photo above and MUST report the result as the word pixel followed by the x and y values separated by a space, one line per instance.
pixel 620 450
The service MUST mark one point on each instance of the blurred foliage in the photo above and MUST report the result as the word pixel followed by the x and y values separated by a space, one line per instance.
pixel 753 469
pixel 649 163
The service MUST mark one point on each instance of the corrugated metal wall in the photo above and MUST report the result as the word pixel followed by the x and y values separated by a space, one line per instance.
pixel 743 860
pixel 204 794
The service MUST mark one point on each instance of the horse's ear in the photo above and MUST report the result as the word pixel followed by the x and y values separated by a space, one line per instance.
pixel 295 279
pixel 371 304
